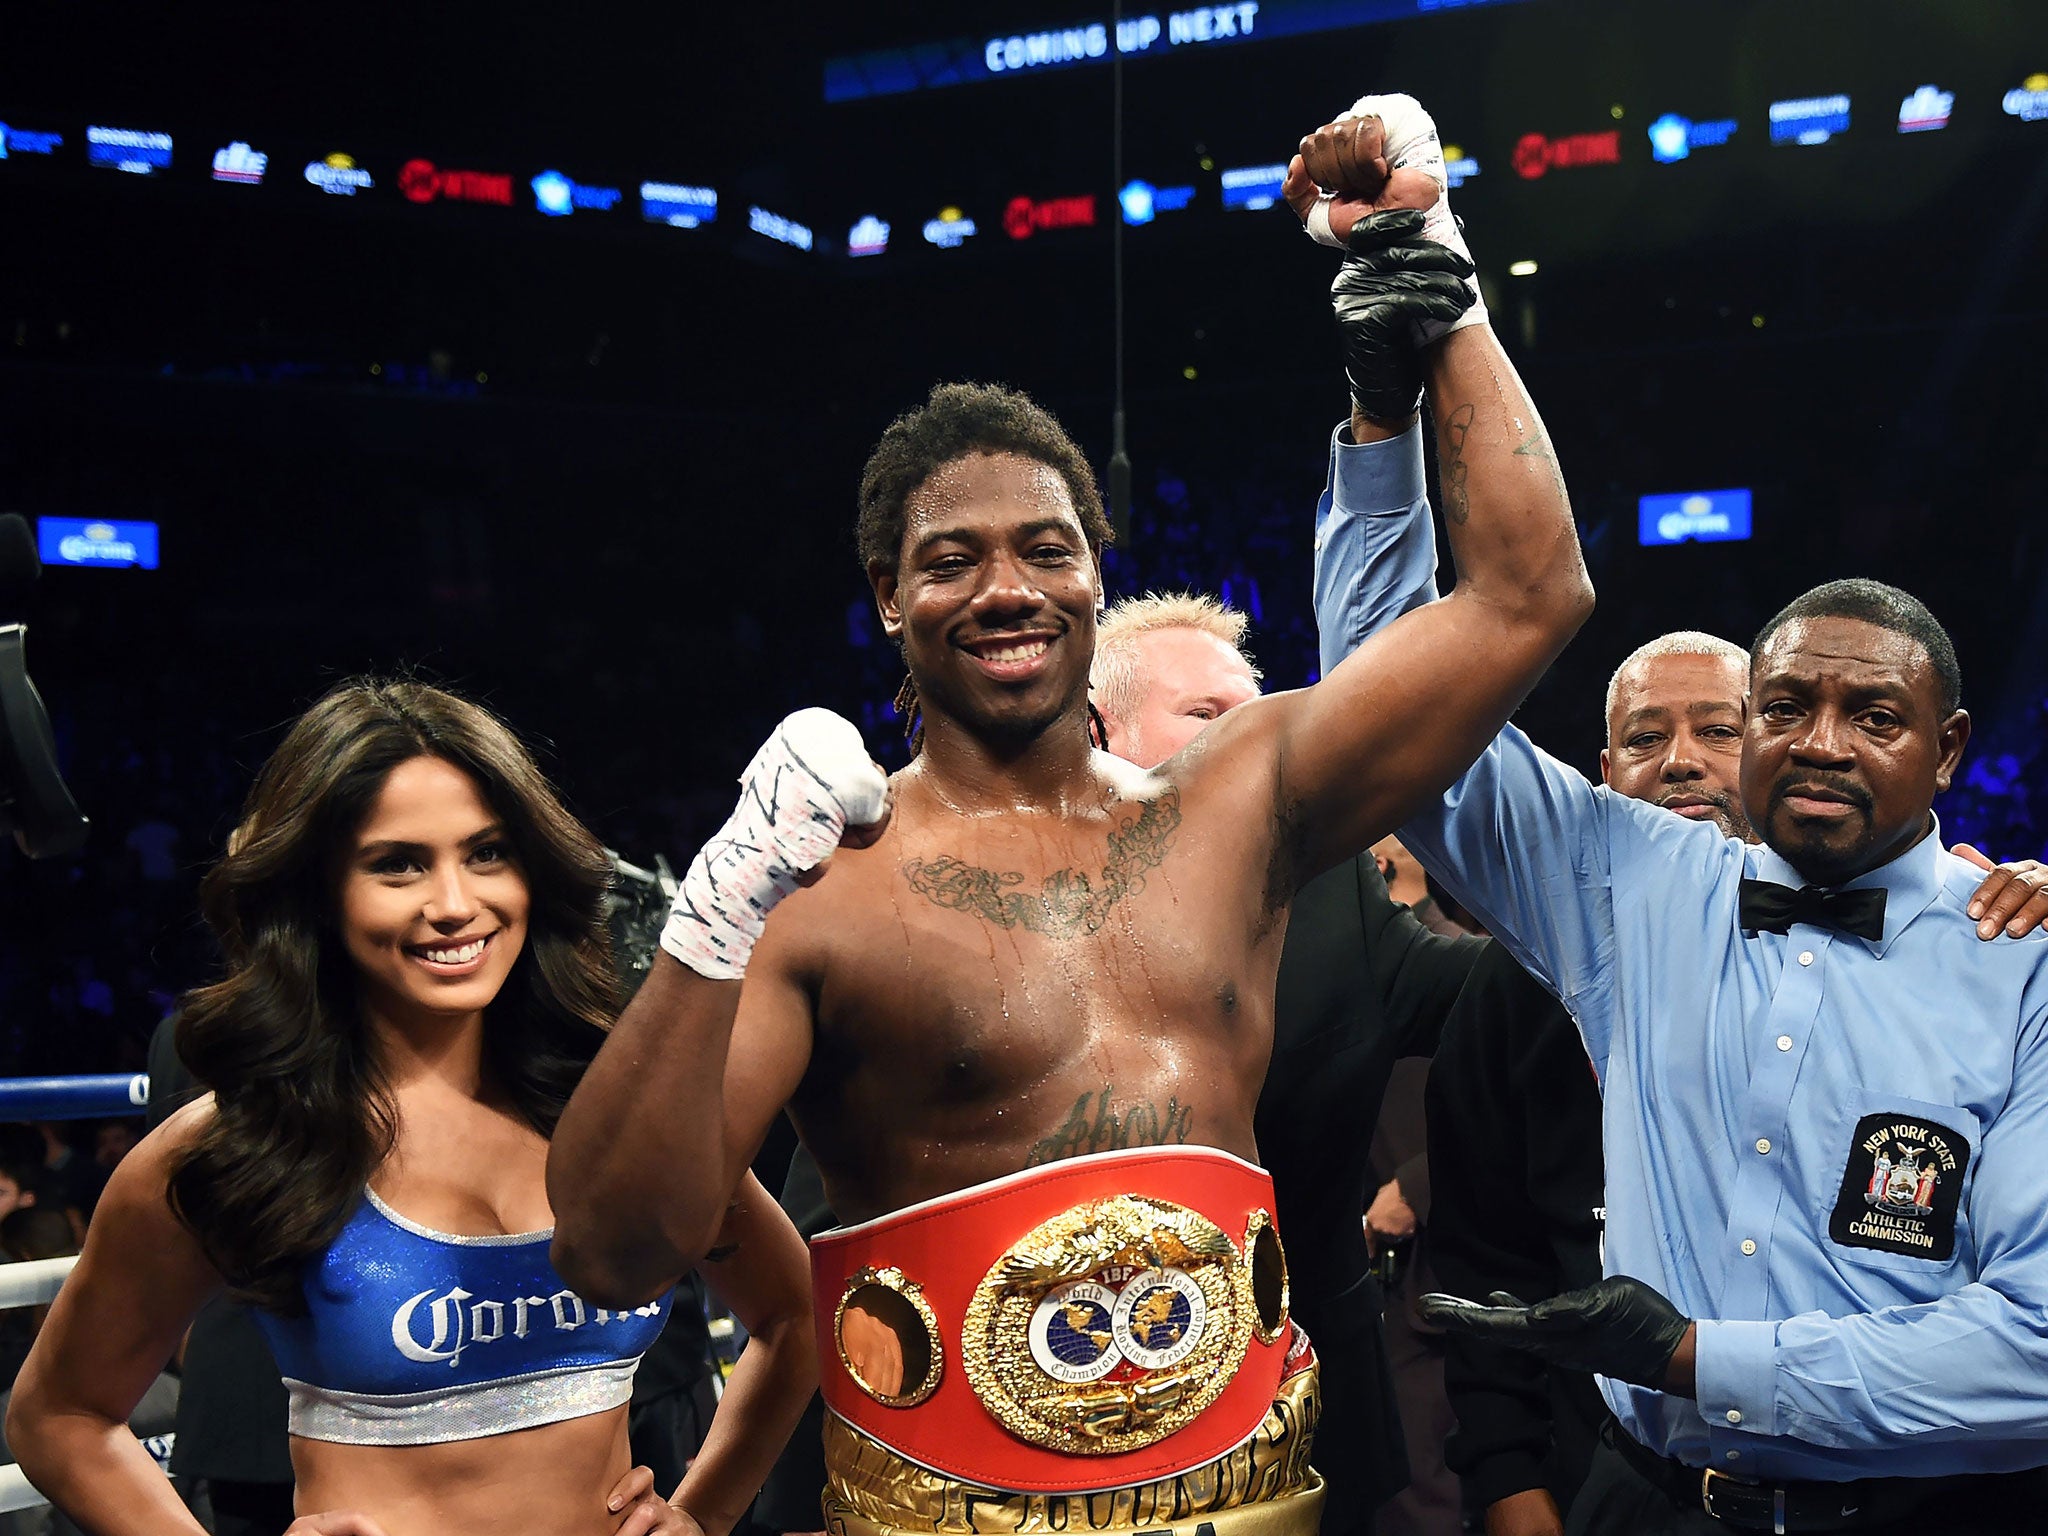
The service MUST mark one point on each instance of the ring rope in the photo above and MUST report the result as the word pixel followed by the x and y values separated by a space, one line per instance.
pixel 17 1492
pixel 32 1283
pixel 108 1095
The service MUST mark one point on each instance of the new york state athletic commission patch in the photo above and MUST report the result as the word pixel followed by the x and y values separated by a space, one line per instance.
pixel 1902 1186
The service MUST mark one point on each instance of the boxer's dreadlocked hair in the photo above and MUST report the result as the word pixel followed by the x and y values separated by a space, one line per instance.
pixel 955 421
pixel 913 719
pixel 906 705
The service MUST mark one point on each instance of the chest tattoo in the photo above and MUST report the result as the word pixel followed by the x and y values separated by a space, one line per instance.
pixel 1067 901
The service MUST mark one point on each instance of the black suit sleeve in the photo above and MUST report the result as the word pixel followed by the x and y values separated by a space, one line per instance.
pixel 1515 1162
pixel 1420 973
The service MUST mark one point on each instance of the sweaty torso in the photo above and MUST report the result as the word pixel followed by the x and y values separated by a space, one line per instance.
pixel 990 992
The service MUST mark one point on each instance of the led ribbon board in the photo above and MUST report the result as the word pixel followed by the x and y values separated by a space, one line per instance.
pixel 17 140
pixel 663 202
pixel 134 150
pixel 1809 120
pixel 1076 43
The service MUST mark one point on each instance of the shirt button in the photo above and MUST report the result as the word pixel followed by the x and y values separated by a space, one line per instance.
pixel 1763 1144
pixel 1784 1042
pixel 1734 1415
pixel 1806 957
pixel 1735 1455
pixel 1748 1246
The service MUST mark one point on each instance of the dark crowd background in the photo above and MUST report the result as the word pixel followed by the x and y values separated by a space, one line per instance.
pixel 601 474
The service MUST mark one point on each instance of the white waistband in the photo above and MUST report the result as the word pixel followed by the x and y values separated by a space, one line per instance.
pixel 459 1413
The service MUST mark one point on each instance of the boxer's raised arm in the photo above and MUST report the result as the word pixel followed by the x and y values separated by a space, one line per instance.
pixel 1396 723
pixel 649 1151
pixel 662 1127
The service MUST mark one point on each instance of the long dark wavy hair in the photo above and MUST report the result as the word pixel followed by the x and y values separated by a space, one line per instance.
pixel 301 1119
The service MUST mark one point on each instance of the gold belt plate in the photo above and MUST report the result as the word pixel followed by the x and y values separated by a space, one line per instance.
pixel 1111 1326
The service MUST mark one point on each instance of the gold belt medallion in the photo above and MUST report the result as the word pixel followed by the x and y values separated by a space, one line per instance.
pixel 1112 1325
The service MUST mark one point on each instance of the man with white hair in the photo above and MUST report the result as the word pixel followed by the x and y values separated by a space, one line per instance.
pixel 1674 727
pixel 1166 664
pixel 1362 983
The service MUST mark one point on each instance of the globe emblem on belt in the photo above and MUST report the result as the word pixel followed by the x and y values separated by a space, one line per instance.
pixel 1113 1324
pixel 1071 1335
pixel 1159 1318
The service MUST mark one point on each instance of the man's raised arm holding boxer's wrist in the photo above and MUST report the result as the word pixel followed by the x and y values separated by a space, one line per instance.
pixel 1105 903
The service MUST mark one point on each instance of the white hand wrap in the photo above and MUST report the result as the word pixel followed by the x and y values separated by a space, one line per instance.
pixel 1411 145
pixel 1318 222
pixel 811 779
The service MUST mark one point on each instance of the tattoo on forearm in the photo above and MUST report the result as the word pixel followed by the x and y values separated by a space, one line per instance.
pixel 1068 901
pixel 1093 1126
pixel 1452 466
pixel 1538 447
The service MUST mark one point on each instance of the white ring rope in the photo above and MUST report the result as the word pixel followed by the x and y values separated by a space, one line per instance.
pixel 27 1285
pixel 17 1492
pixel 33 1283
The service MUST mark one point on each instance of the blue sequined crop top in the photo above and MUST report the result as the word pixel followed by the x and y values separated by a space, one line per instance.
pixel 415 1337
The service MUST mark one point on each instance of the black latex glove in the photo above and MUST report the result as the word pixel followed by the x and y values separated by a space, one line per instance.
pixel 1620 1328
pixel 1391 279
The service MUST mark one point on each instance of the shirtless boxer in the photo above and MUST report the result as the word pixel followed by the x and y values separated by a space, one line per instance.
pixel 1023 1020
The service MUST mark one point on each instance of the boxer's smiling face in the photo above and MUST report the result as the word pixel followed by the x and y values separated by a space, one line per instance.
pixel 994 595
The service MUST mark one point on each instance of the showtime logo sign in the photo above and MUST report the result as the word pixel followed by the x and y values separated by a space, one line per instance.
pixel 1536 154
pixel 421 181
pixel 1024 218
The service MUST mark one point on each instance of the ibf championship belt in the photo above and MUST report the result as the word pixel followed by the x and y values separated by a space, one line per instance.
pixel 1111 1326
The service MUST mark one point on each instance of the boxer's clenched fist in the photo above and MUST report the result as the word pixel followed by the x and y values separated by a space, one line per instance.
pixel 1382 155
pixel 1340 175
pixel 811 788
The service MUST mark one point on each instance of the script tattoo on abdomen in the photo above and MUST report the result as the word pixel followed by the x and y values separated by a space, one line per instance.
pixel 1067 900
pixel 1092 1126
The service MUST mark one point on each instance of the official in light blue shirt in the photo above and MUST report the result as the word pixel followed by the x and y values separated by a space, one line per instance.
pixel 1830 1151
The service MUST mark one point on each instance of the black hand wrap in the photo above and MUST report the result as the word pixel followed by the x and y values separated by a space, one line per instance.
pixel 1392 278
pixel 1620 1328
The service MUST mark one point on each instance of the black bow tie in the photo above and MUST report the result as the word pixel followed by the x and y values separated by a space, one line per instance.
pixel 1769 908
